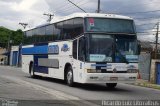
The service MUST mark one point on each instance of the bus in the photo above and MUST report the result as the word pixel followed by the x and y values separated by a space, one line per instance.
pixel 83 48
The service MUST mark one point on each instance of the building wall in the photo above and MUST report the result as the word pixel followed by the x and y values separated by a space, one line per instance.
pixel 2 50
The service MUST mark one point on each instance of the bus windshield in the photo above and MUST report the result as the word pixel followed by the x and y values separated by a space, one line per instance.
pixel 111 48
pixel 109 25
pixel 100 47
pixel 126 48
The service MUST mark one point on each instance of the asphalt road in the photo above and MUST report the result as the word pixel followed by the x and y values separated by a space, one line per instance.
pixel 80 91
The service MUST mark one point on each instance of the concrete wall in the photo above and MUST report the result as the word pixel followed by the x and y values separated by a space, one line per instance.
pixel 145 65
pixel 153 71
pixel 2 51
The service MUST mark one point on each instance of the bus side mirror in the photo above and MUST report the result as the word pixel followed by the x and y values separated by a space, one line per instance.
pixel 139 49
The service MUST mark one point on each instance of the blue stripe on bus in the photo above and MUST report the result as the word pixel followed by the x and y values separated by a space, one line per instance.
pixel 35 50
pixel 40 69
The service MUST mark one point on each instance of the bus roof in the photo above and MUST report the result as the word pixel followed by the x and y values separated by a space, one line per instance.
pixel 100 15
pixel 83 15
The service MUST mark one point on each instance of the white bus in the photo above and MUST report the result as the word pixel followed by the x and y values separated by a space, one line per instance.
pixel 83 48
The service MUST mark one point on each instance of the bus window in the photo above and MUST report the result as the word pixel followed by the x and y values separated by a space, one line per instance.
pixel 56 32
pixel 29 33
pixel 59 26
pixel 71 28
pixel 49 30
pixel 78 27
pixel 68 29
pixel 81 50
pixel 109 25
pixel 41 31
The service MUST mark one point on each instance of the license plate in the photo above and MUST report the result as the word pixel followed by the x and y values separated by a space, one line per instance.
pixel 113 78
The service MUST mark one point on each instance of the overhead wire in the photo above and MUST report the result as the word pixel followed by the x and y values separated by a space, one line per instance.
pixel 145 24
pixel 71 6
pixel 157 17
pixel 60 6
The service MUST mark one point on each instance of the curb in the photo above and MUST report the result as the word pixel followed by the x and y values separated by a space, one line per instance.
pixel 147 85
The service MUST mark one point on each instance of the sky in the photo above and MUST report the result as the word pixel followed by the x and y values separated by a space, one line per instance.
pixel 146 13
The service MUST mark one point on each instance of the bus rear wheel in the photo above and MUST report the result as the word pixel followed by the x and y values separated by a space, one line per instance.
pixel 69 77
pixel 111 85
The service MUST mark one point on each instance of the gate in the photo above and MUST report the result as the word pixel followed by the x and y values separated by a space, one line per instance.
pixel 158 73
pixel 14 58
pixel 144 65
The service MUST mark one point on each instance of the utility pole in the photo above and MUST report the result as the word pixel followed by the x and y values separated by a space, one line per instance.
pixel 156 48
pixel 24 25
pixel 9 47
pixel 98 8
pixel 50 16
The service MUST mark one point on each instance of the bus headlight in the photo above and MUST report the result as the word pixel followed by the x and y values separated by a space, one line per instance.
pixel 93 71
pixel 132 70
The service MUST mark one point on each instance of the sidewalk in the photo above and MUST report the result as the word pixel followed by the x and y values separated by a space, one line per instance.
pixel 147 84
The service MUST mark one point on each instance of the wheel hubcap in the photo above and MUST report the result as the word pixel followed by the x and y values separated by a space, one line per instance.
pixel 32 72
pixel 69 77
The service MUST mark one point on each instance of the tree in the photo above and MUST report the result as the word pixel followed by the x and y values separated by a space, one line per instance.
pixel 6 34
pixel 17 37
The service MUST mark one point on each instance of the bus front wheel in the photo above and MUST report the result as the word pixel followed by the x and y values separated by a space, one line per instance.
pixel 69 77
pixel 111 85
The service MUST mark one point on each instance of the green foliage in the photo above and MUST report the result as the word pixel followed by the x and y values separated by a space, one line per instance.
pixel 17 37
pixel 6 34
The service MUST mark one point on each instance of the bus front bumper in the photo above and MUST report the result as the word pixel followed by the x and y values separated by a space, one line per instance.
pixel 110 78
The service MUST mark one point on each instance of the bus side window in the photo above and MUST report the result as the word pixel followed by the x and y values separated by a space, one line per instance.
pixel 78 27
pixel 68 29
pixel 56 32
pixel 59 26
pixel 81 51
pixel 75 49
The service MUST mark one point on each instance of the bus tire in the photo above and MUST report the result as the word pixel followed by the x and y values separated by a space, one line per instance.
pixel 69 77
pixel 111 85
pixel 31 71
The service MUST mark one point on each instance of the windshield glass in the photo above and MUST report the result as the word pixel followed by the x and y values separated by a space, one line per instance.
pixel 111 48
pixel 126 48
pixel 100 48
pixel 109 25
